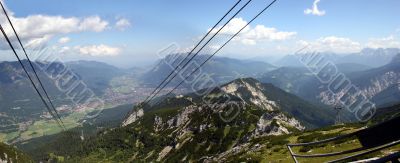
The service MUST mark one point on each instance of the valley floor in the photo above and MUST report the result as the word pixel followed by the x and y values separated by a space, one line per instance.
pixel 46 127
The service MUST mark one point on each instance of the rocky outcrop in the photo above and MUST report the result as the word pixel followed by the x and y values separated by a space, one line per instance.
pixel 164 152
pixel 257 96
pixel 5 158
pixel 381 83
pixel 178 120
pixel 276 124
pixel 371 82
pixel 133 117
pixel 9 154
pixel 368 88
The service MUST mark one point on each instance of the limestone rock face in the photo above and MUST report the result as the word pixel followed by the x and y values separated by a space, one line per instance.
pixel 133 117
pixel 276 124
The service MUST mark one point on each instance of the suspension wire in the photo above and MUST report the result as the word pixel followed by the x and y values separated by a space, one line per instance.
pixel 31 65
pixel 30 78
pixel 200 49
pixel 180 63
pixel 221 47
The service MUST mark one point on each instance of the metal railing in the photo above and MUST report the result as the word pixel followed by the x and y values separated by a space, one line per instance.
pixel 373 139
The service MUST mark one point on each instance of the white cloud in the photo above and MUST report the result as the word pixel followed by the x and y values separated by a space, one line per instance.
pixel 250 36
pixel 98 50
pixel 386 42
pixel 40 29
pixel 346 45
pixel 64 40
pixel 248 41
pixel 41 25
pixel 93 23
pixel 260 32
pixel 333 44
pixel 63 50
pixel 232 27
pixel 122 24
pixel 314 10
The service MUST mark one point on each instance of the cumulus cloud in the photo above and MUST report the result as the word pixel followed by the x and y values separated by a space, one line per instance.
pixel 98 50
pixel 232 27
pixel 260 32
pixel 346 45
pixel 64 40
pixel 93 23
pixel 35 26
pixel 250 36
pixel 122 24
pixel 333 44
pixel 314 10
pixel 40 29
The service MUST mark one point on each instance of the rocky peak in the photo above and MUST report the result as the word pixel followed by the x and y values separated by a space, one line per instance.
pixel 250 91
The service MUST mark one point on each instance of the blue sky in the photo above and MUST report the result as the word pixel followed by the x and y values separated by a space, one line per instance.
pixel 129 33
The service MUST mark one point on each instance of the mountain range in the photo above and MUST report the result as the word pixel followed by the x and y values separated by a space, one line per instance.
pixel 380 84
pixel 368 57
pixel 186 128
pixel 21 108
pixel 269 105
pixel 19 103
pixel 220 69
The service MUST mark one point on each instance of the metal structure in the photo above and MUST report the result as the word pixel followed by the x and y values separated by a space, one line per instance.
pixel 338 119
pixel 372 139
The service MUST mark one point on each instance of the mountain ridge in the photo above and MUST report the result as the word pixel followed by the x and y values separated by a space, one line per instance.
pixel 197 127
